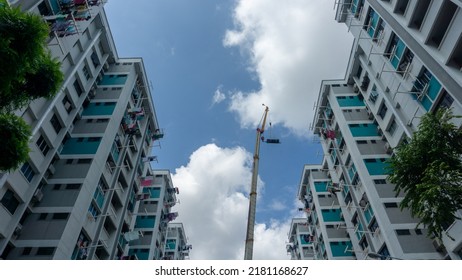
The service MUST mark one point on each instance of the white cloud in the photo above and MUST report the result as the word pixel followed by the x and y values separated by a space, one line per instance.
pixel 292 46
pixel 214 188
pixel 218 96
pixel 277 205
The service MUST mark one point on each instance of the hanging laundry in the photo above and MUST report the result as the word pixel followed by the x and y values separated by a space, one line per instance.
pixel 150 158
pixel 330 134
pixel 142 196
pixel 147 181
pixel 131 235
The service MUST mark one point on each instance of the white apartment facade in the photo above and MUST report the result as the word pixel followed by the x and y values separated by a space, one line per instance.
pixel 80 194
pixel 405 61
pixel 177 246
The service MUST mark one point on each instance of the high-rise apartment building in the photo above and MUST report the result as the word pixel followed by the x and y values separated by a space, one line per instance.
pixel 87 190
pixel 176 246
pixel 406 61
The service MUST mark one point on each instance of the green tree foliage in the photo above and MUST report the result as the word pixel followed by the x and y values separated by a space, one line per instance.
pixel 428 170
pixel 15 134
pixel 27 72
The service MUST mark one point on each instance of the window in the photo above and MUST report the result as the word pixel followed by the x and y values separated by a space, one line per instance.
pixel 403 232
pixel 382 111
pixel 9 201
pixel 84 161
pixel 42 145
pixel 384 251
pixel 60 216
pixel 374 25
pixel 95 59
pixel 67 104
pixel 43 216
pixel 27 171
pixel 390 205
pixel 86 72
pixel 73 186
pixel 441 24
pixel 78 88
pixel 392 128
pixel 26 251
pixel 395 50
pixel 401 7
pixel 420 11
pixel 45 251
pixel 380 181
pixel 56 124
pixel 445 101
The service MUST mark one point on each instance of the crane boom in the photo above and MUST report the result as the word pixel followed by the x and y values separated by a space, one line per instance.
pixel 253 193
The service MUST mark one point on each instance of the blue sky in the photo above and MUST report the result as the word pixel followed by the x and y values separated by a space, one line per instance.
pixel 212 64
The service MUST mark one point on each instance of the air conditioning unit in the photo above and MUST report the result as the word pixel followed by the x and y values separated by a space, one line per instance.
pixel 370 115
pixel 388 148
pixel 17 231
pixel 376 231
pixel 439 246
pixel 38 195
pixel 51 169
pixel 90 217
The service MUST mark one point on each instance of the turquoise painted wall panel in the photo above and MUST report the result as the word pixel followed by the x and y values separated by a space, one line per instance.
pixel 141 254
pixel 145 221
pixel 74 146
pixel 103 109
pixel 363 130
pixel 377 167
pixel 153 192
pixel 350 101
pixel 320 186
pixel 338 249
pixel 110 80
pixel 170 244
pixel 331 215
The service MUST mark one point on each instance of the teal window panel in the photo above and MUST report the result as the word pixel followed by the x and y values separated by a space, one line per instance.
pixel 153 192
pixel 320 186
pixel 374 19
pixel 145 221
pixel 81 146
pixel 122 241
pixel 363 130
pixel 376 166
pixel 99 109
pixel 350 101
pixel 352 172
pixel 99 197
pixel 323 248
pixel 111 80
pixel 346 190
pixel 368 214
pixel 360 231
pixel 170 244
pixel 141 254
pixel 400 47
pixel 341 249
pixel 331 215
pixel 333 156
pixel 426 103
pixel 434 88
pixel 115 152
pixel 305 239
pixel 55 6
